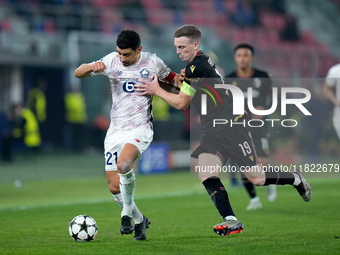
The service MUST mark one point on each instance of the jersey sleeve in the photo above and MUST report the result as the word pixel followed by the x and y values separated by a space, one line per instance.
pixel 163 71
pixel 107 60
pixel 187 89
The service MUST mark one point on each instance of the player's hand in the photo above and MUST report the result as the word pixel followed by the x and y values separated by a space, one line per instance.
pixel 181 78
pixel 98 67
pixel 146 87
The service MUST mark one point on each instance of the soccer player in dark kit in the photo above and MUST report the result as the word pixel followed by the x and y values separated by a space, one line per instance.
pixel 221 142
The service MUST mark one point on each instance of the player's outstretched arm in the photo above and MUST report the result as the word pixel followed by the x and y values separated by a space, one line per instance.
pixel 179 101
pixel 84 70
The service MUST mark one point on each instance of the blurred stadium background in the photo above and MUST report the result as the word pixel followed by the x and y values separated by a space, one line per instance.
pixel 47 39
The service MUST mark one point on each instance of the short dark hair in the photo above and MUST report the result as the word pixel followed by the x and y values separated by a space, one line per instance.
pixel 190 31
pixel 245 45
pixel 128 39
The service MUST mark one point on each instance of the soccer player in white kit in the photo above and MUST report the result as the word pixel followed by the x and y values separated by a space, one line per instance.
pixel 333 81
pixel 130 131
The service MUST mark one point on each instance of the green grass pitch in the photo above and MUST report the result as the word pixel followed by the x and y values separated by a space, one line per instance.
pixel 34 218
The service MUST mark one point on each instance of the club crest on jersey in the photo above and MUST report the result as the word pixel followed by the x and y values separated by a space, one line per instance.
pixel 144 73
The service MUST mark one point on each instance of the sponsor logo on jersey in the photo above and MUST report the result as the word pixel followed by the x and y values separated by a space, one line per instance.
pixel 192 68
pixel 129 86
pixel 137 140
pixel 116 73
pixel 144 73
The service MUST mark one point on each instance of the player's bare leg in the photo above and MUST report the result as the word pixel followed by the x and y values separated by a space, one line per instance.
pixel 218 195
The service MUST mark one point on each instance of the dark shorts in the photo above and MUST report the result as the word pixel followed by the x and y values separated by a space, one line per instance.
pixel 234 143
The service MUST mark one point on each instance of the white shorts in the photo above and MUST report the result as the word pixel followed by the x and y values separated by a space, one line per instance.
pixel 336 120
pixel 116 139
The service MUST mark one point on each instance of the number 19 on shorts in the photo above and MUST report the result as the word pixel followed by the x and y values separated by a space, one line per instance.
pixel 245 147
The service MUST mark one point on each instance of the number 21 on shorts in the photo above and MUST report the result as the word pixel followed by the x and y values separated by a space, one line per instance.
pixel 110 157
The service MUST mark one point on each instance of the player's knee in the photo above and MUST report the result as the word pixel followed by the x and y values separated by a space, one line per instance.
pixel 124 166
pixel 258 181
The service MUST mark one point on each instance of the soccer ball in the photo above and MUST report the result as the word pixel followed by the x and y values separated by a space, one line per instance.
pixel 83 228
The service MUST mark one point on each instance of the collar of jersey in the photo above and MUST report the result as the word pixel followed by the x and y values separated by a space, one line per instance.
pixel 245 77
pixel 197 54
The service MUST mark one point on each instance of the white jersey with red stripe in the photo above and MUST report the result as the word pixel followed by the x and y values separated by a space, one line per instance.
pixel 128 109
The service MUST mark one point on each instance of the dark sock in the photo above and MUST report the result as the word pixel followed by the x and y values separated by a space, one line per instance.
pixel 249 186
pixel 219 196
pixel 279 178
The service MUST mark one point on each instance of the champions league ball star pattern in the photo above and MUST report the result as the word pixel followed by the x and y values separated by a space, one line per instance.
pixel 83 228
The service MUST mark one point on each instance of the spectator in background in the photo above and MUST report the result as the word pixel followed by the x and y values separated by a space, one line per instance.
pixel 75 118
pixel 244 15
pixel 23 127
pixel 279 6
pixel 36 102
pixel 290 32
pixel 134 12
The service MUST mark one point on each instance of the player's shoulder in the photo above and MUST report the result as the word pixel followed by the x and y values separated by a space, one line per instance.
pixel 260 73
pixel 335 71
pixel 111 55
pixel 199 64
pixel 148 55
pixel 202 60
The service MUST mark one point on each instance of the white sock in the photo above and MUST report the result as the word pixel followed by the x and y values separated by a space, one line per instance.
pixel 127 184
pixel 136 214
pixel 118 199
pixel 230 217
pixel 297 180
